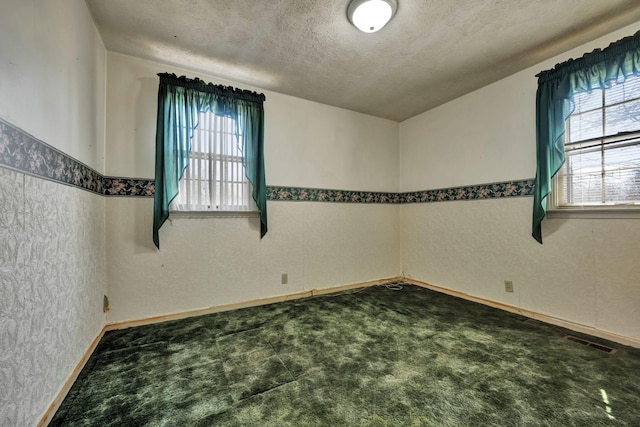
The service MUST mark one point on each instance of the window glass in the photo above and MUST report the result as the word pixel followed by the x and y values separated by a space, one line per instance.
pixel 602 148
pixel 215 178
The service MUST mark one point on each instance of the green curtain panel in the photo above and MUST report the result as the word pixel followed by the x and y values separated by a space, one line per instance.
pixel 180 100
pixel 554 104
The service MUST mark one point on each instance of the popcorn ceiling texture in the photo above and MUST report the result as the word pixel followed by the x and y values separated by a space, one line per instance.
pixel 52 272
pixel 430 53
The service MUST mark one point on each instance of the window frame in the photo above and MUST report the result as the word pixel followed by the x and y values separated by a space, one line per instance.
pixel 252 210
pixel 557 209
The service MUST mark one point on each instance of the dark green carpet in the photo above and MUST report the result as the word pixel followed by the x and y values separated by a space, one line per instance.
pixel 373 357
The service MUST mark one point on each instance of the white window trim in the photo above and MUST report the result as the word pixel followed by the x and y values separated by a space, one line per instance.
pixel 555 208
pixel 593 213
pixel 619 211
pixel 214 214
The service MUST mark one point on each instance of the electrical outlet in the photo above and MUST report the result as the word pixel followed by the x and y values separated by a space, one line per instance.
pixel 284 279
pixel 508 286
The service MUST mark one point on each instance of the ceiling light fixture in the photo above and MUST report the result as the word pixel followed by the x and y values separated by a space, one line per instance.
pixel 371 15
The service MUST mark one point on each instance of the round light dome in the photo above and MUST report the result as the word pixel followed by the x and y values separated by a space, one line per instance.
pixel 371 15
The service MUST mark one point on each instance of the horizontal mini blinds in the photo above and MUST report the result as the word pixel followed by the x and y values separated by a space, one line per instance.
pixel 602 147
pixel 215 178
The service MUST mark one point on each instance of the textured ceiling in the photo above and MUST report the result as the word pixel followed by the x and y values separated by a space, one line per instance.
pixel 432 51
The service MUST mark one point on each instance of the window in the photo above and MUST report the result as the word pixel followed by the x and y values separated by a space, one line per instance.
pixel 215 179
pixel 602 150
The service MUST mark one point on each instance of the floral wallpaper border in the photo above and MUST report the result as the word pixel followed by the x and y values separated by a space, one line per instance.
pixel 118 186
pixel 298 194
pixel 494 190
pixel 470 192
pixel 24 153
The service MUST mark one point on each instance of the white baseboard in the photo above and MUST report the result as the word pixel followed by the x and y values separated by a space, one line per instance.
pixel 57 401
pixel 234 306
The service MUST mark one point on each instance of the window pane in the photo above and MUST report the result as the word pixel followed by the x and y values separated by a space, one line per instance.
pixel 622 117
pixel 584 161
pixel 586 101
pixel 583 177
pixel 622 186
pixel 584 188
pixel 204 195
pixel 619 92
pixel 622 176
pixel 217 196
pixel 624 157
pixel 599 168
pixel 585 125
pixel 215 177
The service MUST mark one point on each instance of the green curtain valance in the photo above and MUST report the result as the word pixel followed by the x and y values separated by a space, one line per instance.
pixel 180 101
pixel 554 104
pixel 229 93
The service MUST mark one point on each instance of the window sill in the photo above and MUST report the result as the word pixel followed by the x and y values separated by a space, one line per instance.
pixel 595 212
pixel 213 214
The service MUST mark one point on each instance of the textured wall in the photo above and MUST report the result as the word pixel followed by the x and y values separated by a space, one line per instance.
pixel 212 261
pixel 52 75
pixel 585 272
pixel 306 144
pixel 52 281
pixel 52 266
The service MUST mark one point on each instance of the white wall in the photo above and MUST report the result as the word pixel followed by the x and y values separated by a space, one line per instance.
pixel 586 272
pixel 214 261
pixel 480 138
pixel 52 272
pixel 52 75
pixel 52 257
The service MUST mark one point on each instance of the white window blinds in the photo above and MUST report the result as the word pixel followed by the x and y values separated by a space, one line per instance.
pixel 215 178
pixel 602 147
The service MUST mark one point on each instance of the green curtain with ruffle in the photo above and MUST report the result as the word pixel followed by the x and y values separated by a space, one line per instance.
pixel 180 100
pixel 554 104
